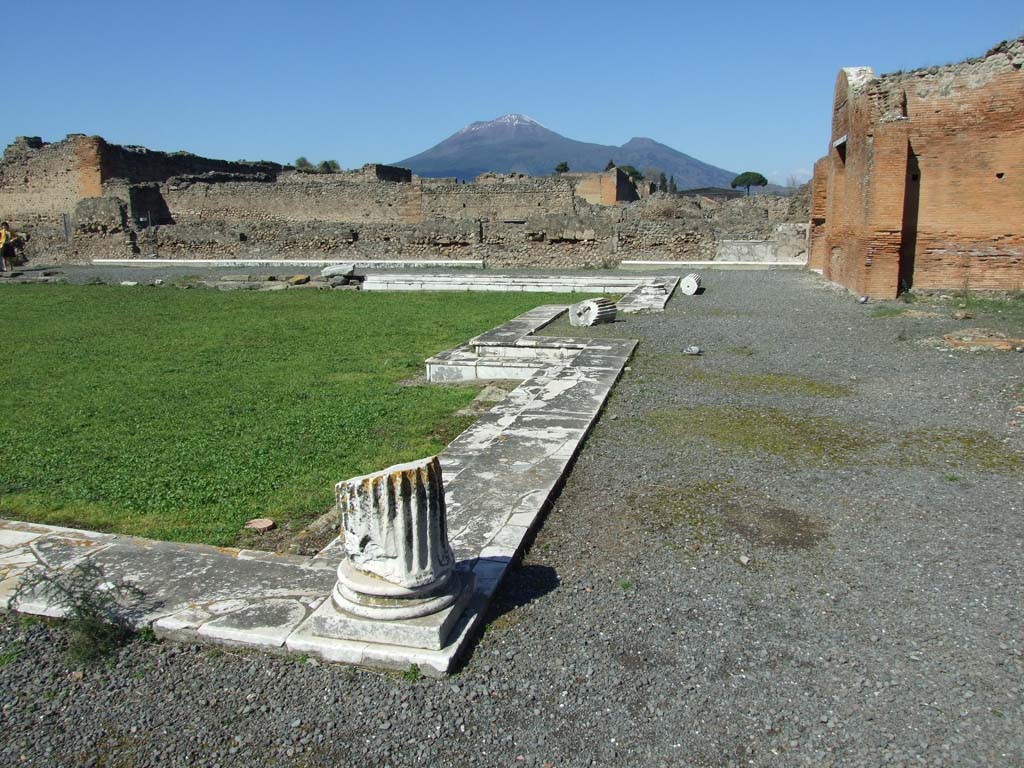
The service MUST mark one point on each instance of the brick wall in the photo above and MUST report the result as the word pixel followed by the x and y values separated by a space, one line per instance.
pixel 931 188
pixel 605 188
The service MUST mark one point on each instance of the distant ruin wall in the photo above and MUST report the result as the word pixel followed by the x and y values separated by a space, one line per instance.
pixel 293 198
pixel 606 188
pixel 140 164
pixel 128 201
pixel 512 200
pixel 45 180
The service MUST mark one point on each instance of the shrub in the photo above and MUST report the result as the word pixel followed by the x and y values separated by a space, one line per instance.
pixel 93 606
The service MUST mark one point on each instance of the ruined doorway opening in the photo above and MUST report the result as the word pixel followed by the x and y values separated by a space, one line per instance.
pixel 908 240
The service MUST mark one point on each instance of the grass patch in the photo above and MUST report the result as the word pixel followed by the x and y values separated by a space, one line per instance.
pixel 1009 308
pixel 412 674
pixel 698 511
pixel 665 510
pixel 502 623
pixel 819 441
pixel 769 383
pixel 181 414
pixel 937 448
pixel 813 440
pixel 11 653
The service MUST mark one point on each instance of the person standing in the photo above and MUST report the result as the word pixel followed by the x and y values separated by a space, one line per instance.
pixel 6 246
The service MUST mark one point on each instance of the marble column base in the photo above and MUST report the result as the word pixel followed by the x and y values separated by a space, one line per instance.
pixel 371 597
pixel 335 617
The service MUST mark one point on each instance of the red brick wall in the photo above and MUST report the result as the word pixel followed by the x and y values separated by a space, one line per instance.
pixel 817 250
pixel 921 181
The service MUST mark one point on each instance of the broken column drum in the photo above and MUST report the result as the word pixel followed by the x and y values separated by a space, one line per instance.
pixel 690 284
pixel 592 312
pixel 399 562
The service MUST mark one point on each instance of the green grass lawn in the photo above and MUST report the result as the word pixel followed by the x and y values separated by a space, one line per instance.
pixel 179 414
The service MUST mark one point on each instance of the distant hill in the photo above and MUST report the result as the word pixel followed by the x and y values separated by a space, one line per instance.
pixel 516 143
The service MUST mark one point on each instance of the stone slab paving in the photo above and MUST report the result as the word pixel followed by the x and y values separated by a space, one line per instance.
pixel 662 266
pixel 357 263
pixel 185 585
pixel 642 293
pixel 501 474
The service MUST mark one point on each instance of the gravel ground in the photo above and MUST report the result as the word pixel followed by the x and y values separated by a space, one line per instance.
pixel 802 548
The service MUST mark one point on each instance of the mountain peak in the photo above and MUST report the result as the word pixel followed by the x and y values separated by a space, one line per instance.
pixel 642 141
pixel 515 118
pixel 511 119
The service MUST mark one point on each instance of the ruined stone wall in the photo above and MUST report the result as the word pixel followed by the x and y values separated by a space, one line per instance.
pixel 139 164
pixel 502 199
pixel 667 240
pixel 40 183
pixel 605 188
pixel 128 201
pixel 38 179
pixel 593 188
pixel 294 197
pixel 924 182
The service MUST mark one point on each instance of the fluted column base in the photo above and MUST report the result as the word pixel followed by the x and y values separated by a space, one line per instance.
pixel 371 597
pixel 417 618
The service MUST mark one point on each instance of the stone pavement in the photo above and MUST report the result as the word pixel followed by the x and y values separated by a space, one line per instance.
pixel 642 293
pixel 500 476
pixel 291 263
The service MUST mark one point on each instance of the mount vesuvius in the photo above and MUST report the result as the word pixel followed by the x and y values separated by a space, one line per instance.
pixel 516 143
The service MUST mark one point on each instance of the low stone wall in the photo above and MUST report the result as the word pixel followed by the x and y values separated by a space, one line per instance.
pixel 789 244
pixel 556 242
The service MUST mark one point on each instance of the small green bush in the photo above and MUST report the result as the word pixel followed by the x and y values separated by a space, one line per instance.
pixel 95 608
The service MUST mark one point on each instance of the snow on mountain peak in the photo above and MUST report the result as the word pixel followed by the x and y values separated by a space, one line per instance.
pixel 513 118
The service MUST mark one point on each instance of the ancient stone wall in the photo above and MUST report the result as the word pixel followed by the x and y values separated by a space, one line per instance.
pixel 924 181
pixel 39 180
pixel 129 201
pixel 294 197
pixel 605 188
pixel 139 164
pixel 509 198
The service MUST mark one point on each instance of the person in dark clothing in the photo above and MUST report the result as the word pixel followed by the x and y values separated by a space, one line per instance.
pixel 6 246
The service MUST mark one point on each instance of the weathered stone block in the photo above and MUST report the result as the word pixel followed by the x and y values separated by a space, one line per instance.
pixel 101 215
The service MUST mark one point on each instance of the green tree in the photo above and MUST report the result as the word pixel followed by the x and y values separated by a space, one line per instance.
pixel 333 165
pixel 662 183
pixel 632 172
pixel 611 164
pixel 562 167
pixel 749 179
pixel 303 164
pixel 672 185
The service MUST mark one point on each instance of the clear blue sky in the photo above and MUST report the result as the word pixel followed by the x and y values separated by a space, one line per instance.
pixel 742 85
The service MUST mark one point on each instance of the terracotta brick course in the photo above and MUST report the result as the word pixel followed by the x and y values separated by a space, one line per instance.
pixel 923 185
